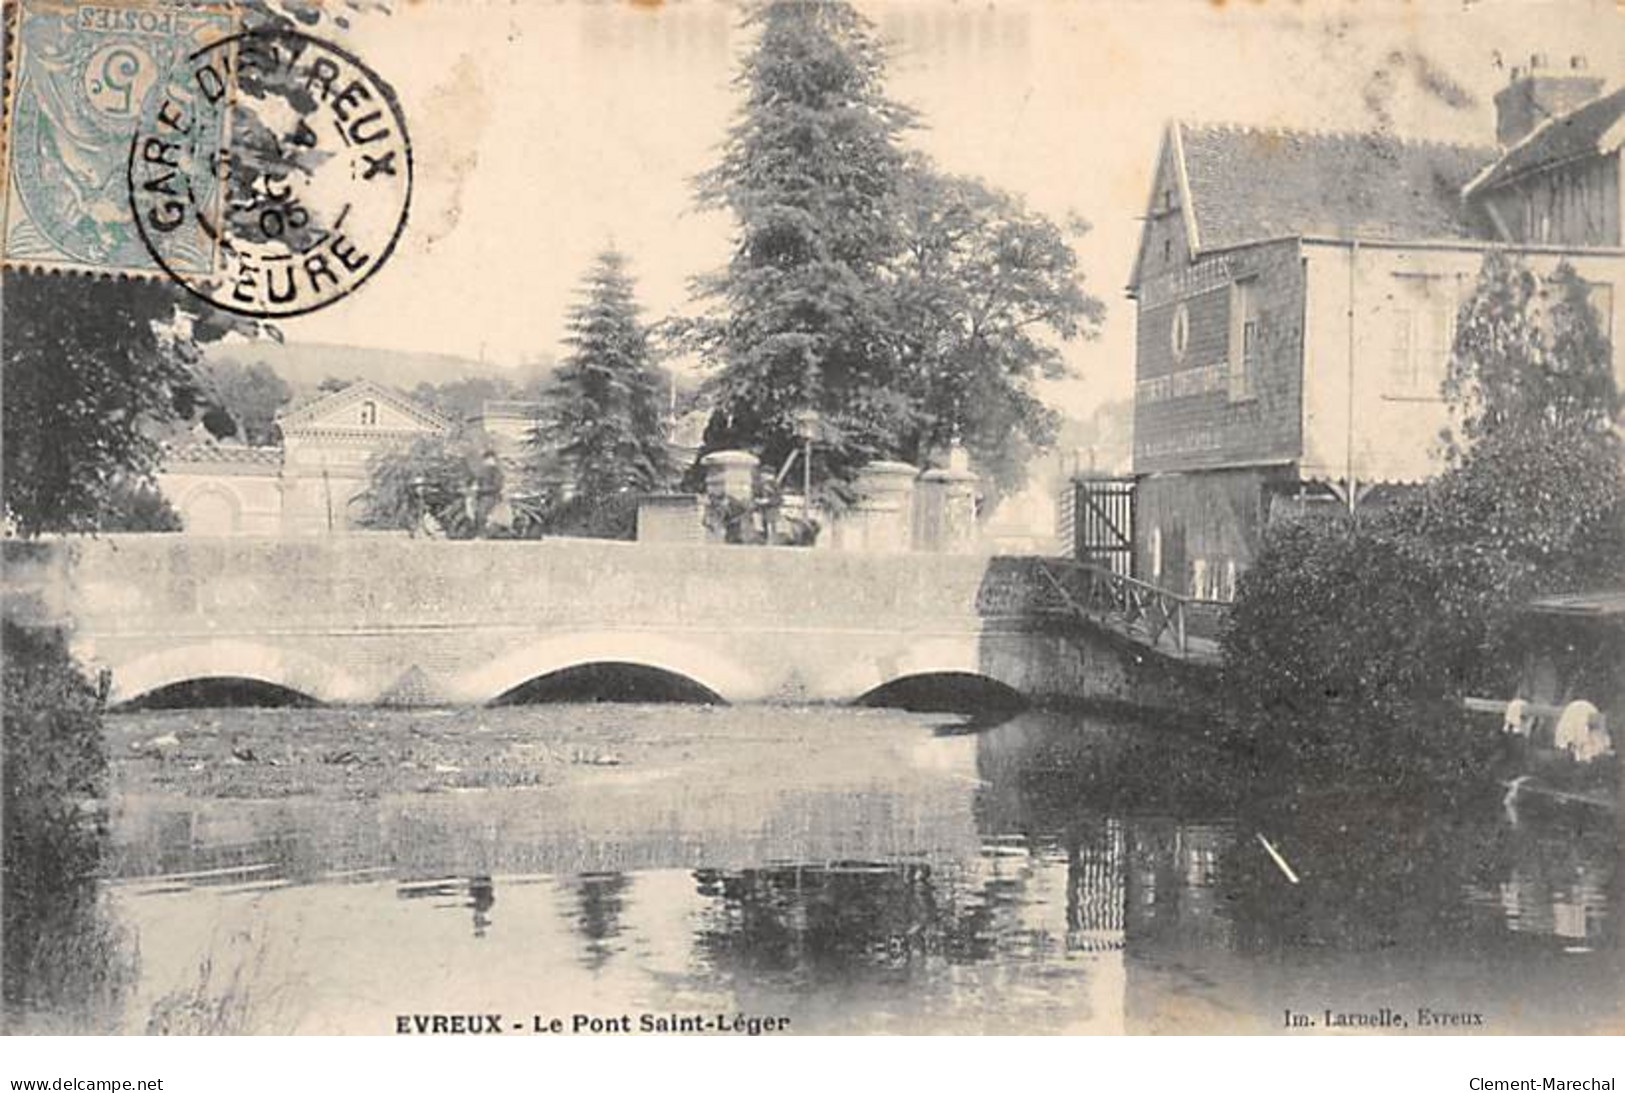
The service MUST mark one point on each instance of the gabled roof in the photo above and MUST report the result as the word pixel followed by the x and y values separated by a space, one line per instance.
pixel 313 412
pixel 1248 185
pixel 1172 160
pixel 1593 129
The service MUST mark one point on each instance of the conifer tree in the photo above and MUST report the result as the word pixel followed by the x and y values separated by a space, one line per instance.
pixel 810 173
pixel 602 419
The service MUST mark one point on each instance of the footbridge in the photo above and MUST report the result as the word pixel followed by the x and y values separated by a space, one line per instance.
pixel 385 619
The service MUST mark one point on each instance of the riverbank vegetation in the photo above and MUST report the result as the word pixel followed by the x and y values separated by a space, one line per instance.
pixel 61 953
pixel 1354 638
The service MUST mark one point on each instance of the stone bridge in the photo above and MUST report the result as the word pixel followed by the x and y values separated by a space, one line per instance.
pixel 365 619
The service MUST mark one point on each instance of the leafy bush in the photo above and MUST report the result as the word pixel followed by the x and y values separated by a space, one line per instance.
pixel 1352 640
pixel 1340 655
pixel 442 465
pixel 60 953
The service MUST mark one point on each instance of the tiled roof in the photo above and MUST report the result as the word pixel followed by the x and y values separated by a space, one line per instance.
pixel 1248 185
pixel 215 454
pixel 1580 132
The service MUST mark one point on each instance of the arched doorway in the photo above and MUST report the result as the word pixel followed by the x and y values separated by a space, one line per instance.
pixel 211 510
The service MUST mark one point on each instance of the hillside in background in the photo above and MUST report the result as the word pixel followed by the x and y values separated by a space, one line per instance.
pixel 304 365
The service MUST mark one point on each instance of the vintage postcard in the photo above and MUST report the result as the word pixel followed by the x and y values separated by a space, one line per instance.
pixel 540 519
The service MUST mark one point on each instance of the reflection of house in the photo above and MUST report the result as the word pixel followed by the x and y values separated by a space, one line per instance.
pixel 1297 294
pixel 1173 899
pixel 307 485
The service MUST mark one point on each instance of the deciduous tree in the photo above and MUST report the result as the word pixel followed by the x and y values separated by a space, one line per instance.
pixel 252 394
pixel 91 368
pixel 987 291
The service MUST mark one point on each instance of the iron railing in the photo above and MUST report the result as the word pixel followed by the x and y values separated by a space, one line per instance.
pixel 1167 621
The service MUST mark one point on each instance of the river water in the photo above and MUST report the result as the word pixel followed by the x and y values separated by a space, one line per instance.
pixel 861 871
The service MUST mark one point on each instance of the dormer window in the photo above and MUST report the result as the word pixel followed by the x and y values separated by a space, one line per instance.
pixel 369 413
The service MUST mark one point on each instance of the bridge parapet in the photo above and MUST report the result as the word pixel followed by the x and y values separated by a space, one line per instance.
pixel 139 580
pixel 362 618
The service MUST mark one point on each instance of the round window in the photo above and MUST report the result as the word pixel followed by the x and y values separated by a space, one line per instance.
pixel 1179 337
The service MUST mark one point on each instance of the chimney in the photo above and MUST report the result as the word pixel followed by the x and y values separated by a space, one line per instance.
pixel 1539 93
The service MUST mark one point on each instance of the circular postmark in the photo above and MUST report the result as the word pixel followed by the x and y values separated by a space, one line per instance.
pixel 272 175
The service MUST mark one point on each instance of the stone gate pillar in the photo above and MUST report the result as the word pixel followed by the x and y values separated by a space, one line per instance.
pixel 945 516
pixel 881 522
pixel 732 475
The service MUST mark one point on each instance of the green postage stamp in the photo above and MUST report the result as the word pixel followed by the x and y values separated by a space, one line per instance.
pixel 79 76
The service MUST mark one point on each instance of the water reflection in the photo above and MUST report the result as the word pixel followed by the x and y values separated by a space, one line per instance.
pixel 600 898
pixel 1044 875
pixel 478 894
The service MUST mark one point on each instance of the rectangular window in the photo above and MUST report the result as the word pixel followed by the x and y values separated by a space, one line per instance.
pixel 1421 334
pixel 1246 340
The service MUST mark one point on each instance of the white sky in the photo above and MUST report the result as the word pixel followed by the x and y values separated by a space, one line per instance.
pixel 545 128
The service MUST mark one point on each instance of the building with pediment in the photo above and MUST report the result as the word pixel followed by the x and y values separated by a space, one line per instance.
pixel 1296 298
pixel 309 484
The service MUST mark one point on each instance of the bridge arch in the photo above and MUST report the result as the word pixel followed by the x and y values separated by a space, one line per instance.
pixel 286 668
pixel 718 674
pixel 961 655
pixel 946 692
